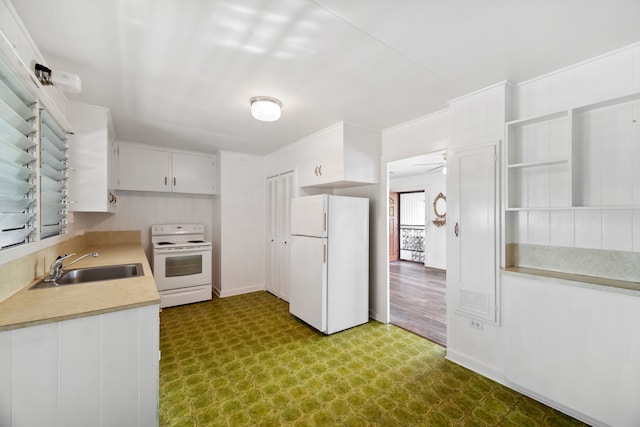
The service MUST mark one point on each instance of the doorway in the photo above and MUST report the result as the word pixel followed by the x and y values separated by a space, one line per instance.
pixel 417 245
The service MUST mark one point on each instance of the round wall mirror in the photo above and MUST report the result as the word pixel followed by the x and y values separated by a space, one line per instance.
pixel 440 209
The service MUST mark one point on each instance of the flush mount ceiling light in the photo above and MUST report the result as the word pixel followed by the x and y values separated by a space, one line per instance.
pixel 265 108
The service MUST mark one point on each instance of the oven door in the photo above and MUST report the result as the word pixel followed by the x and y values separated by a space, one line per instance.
pixel 181 268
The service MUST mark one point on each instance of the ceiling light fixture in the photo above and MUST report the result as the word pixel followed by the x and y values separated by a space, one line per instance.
pixel 266 108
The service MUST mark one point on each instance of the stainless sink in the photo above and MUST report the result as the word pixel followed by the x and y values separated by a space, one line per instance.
pixel 94 274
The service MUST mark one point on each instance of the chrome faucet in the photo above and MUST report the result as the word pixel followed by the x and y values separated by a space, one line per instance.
pixel 55 271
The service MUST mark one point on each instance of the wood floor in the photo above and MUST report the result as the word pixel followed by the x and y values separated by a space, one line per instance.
pixel 418 300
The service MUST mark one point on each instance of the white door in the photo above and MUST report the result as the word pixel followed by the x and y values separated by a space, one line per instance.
pixel 472 225
pixel 286 193
pixel 272 259
pixel 308 292
pixel 280 190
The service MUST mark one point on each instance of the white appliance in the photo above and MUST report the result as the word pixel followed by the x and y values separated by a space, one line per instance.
pixel 330 261
pixel 181 263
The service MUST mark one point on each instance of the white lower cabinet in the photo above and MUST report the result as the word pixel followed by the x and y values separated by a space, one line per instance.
pixel 147 168
pixel 99 370
pixel 575 345
pixel 280 190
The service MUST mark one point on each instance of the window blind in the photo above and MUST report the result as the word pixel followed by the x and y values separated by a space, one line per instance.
pixel 17 160
pixel 53 176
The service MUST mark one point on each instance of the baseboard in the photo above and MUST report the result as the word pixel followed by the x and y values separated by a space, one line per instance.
pixel 233 292
pixel 494 375
pixel 373 314
pixel 473 365
pixel 557 406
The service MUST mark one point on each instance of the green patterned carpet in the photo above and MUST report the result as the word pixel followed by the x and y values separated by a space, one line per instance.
pixel 245 360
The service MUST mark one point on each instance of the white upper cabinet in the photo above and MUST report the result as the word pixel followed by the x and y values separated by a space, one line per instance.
pixel 193 173
pixel 145 168
pixel 341 155
pixel 90 159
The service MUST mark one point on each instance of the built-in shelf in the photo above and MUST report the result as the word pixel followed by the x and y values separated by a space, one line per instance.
pixel 573 208
pixel 537 164
pixel 537 119
pixel 564 158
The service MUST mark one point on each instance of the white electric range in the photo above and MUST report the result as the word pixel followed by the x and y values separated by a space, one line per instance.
pixel 181 263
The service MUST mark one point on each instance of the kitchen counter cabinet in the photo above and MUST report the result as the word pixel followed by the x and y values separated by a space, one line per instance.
pixel 32 307
pixel 84 354
pixel 557 331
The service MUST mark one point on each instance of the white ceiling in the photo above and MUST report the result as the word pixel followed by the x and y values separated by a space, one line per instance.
pixel 417 165
pixel 180 74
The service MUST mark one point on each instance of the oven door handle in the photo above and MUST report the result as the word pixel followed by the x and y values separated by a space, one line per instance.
pixel 182 251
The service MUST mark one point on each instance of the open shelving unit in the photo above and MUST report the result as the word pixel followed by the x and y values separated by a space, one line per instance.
pixel 585 157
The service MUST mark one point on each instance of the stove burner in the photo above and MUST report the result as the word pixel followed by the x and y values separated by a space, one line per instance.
pixel 164 243
pixel 196 241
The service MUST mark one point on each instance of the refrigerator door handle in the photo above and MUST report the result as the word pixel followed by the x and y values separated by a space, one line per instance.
pixel 324 254
pixel 325 222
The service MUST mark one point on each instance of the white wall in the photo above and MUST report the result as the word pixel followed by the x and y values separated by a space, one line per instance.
pixel 242 223
pixel 435 237
pixel 425 135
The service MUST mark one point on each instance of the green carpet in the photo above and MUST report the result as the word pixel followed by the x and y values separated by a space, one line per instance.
pixel 245 360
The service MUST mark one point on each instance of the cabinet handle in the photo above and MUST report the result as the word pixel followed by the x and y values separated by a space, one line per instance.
pixel 456 229
pixel 320 170
pixel 315 171
pixel 165 180
pixel 174 181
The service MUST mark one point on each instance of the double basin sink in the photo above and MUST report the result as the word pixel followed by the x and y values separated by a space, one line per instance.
pixel 93 274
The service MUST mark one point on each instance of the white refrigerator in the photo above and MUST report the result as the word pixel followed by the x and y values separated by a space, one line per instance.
pixel 329 287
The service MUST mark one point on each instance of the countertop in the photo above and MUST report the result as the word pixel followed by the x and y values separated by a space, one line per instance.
pixel 604 284
pixel 33 307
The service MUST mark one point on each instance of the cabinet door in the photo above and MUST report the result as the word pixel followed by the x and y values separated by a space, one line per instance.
pixel 143 169
pixel 90 159
pixel 89 155
pixel 320 159
pixel 193 173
